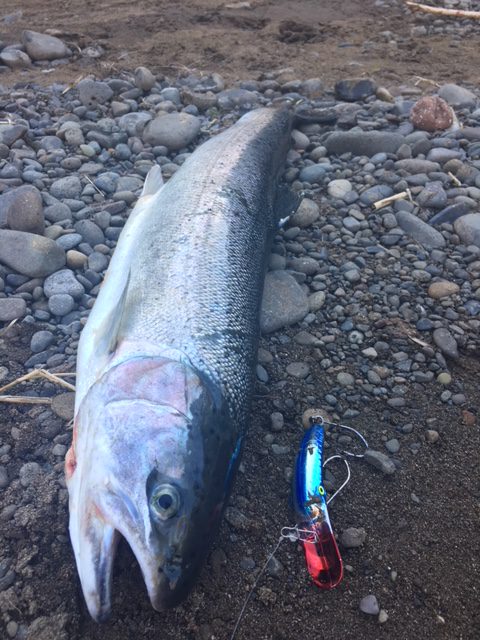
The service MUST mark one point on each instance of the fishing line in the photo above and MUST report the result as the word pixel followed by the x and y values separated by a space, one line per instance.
pixel 259 575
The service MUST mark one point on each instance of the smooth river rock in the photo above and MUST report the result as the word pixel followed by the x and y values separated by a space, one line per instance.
pixel 21 209
pixel 41 46
pixel 30 254
pixel 174 131
pixel 284 302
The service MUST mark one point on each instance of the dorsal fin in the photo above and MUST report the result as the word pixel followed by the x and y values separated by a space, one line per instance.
pixel 153 181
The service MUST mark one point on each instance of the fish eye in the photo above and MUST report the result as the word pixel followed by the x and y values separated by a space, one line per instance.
pixel 165 501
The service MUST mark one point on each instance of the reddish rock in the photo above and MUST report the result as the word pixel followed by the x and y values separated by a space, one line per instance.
pixel 431 113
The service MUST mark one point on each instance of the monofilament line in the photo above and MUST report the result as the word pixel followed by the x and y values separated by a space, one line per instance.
pixel 247 599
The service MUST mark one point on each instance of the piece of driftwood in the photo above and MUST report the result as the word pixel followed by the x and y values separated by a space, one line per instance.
pixel 440 11
pixel 379 204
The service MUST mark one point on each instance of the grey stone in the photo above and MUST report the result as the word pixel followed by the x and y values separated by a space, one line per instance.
pixel 262 374
pixel 369 605
pixel 314 173
pixel 21 209
pixel 284 302
pixel 457 96
pixel 352 537
pixel 306 265
pixel 69 240
pixel 339 188
pixel 363 143
pixel 15 59
pixel 93 93
pixel 468 228
pixel 307 213
pixel 450 213
pixel 90 232
pixel 316 301
pixel 60 304
pixel 134 123
pixel 231 98
pixel 63 405
pixel 277 421
pixel 377 192
pixel 12 308
pixel 432 196
pixel 351 224
pixel 380 461
pixel 446 342
pixel 69 187
pixel 57 212
pixel 29 473
pixel 10 133
pixel 345 379
pixel 174 131
pixel 417 165
pixel 355 89
pixel 41 340
pixel 63 281
pixel 420 231
pixel 41 46
pixel 30 254
pixel 442 155
pixel 236 519
pixel 3 477
pixel 393 445
pixel 144 78
pixel 298 370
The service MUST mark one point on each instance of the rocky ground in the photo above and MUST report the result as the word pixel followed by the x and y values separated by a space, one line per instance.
pixel 371 315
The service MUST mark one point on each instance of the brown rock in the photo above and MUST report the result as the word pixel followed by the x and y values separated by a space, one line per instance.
pixel 21 209
pixel 314 413
pixel 63 405
pixel 431 113
pixel 469 418
pixel 439 290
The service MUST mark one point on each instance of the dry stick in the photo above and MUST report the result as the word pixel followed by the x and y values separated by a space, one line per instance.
pixel 454 179
pixel 379 204
pixel 439 11
pixel 95 186
pixel 38 373
pixel 25 400
pixel 9 326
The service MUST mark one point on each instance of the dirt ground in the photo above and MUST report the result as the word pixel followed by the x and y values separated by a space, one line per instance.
pixel 422 522
pixel 330 40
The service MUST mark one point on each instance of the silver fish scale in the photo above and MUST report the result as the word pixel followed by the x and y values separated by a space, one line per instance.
pixel 197 273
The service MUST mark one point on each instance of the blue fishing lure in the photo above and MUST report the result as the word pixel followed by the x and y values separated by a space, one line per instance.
pixel 322 556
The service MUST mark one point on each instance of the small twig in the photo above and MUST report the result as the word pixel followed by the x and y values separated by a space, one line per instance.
pixel 379 204
pixel 25 400
pixel 39 373
pixel 440 11
pixel 9 326
pixel 72 85
pixel 454 179
pixel 95 186
pixel 427 80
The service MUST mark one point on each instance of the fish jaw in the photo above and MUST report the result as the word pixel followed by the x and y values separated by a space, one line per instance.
pixel 126 445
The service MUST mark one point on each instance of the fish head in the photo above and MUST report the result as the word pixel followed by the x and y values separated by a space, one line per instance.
pixel 152 460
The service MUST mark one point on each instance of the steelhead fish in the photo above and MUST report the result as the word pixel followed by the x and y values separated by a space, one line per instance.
pixel 166 362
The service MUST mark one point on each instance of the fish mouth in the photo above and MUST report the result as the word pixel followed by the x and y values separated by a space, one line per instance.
pixel 165 577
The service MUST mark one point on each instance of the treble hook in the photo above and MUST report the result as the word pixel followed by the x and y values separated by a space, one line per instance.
pixel 320 420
